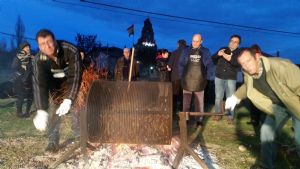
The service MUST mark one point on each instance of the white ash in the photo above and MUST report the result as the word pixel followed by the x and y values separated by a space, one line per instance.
pixel 127 156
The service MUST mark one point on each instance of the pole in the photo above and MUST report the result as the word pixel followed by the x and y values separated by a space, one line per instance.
pixel 131 64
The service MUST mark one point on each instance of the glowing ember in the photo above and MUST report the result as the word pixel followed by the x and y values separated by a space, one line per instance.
pixel 127 156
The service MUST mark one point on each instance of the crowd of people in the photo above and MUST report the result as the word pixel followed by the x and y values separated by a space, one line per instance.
pixel 53 77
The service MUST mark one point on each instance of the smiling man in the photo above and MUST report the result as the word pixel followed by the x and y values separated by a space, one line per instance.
pixel 273 86
pixel 57 75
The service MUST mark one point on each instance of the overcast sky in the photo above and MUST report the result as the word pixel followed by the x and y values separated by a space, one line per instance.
pixel 68 17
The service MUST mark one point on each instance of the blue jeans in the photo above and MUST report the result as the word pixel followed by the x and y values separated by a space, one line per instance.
pixel 221 86
pixel 269 131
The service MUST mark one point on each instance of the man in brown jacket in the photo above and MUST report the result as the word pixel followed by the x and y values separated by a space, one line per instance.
pixel 123 66
pixel 273 86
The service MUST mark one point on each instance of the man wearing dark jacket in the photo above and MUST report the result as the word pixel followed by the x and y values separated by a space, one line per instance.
pixel 123 66
pixel 22 79
pixel 57 71
pixel 175 75
pixel 226 72
pixel 193 69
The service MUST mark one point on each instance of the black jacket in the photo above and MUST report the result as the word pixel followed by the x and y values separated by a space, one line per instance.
pixel 161 67
pixel 22 71
pixel 174 63
pixel 45 72
pixel 226 69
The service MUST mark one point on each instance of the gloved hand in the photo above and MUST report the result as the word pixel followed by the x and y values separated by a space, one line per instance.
pixel 40 120
pixel 64 107
pixel 231 102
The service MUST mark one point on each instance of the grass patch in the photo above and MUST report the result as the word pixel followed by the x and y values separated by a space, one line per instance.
pixel 20 141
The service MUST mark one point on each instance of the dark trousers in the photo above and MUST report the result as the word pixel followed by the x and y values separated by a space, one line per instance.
pixel 22 94
pixel 198 101
pixel 55 122
pixel 177 95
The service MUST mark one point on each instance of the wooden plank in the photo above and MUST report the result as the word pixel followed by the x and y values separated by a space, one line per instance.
pixel 65 156
pixel 204 114
pixel 195 156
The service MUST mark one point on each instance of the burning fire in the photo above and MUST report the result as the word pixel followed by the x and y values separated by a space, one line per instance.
pixel 132 156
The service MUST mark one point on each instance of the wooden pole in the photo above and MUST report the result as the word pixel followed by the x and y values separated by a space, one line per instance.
pixel 66 155
pixel 183 138
pixel 131 64
pixel 195 156
pixel 185 141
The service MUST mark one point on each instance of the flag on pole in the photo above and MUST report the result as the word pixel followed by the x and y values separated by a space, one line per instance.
pixel 130 30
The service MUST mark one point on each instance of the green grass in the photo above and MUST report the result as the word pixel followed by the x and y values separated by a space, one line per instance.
pixel 20 141
pixel 227 138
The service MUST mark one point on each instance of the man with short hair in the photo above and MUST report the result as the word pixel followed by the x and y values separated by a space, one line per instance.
pixel 226 72
pixel 273 86
pixel 57 75
pixel 123 66
pixel 193 64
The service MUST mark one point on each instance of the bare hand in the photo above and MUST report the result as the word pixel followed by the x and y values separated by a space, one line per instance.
pixel 221 52
pixel 169 69
pixel 227 57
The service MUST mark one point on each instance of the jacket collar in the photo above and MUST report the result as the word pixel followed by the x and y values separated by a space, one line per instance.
pixel 266 63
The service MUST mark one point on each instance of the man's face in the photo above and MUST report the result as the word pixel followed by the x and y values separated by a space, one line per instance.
pixel 46 45
pixel 165 55
pixel 196 41
pixel 234 43
pixel 126 53
pixel 26 49
pixel 249 63
pixel 81 55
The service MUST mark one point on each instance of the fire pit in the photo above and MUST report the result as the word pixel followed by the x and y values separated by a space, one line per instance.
pixel 132 156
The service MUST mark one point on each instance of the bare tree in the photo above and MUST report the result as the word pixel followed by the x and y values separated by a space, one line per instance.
pixel 3 45
pixel 20 30
pixel 87 42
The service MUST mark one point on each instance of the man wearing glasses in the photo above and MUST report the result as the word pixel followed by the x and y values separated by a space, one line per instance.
pixel 57 75
pixel 226 73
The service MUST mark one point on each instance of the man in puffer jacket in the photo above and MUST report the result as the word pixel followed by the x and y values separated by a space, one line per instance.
pixel 22 79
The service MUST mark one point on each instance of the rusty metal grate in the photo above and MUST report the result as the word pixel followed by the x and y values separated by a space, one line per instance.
pixel 129 112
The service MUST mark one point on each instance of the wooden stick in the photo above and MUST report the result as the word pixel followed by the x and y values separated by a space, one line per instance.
pixel 183 138
pixel 195 156
pixel 185 141
pixel 83 132
pixel 204 114
pixel 66 155
pixel 131 64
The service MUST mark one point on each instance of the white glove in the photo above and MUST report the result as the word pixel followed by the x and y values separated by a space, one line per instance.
pixel 64 107
pixel 40 120
pixel 231 102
